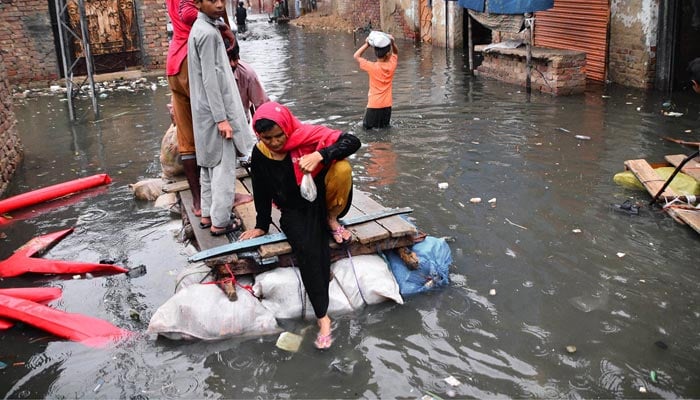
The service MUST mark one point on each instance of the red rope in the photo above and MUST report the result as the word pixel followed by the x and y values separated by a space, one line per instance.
pixel 233 280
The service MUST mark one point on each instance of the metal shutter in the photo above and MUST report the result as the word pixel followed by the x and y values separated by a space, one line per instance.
pixel 577 25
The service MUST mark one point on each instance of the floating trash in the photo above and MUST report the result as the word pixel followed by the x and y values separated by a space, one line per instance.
pixel 492 292
pixel 452 381
pixel 576 230
pixel 582 137
pixel 475 200
pixel 627 207
pixel 443 185
pixel 652 376
pixel 289 342
pixel 661 344
pixel 571 349
pixel 620 254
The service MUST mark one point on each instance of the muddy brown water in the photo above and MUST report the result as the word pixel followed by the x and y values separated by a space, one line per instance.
pixel 627 316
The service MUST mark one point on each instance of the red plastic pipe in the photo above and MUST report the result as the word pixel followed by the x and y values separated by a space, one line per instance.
pixel 52 192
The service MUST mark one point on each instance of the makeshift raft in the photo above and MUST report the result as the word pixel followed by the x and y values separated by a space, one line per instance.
pixel 382 229
pixel 675 204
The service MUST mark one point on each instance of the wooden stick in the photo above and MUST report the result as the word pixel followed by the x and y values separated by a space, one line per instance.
pixel 683 142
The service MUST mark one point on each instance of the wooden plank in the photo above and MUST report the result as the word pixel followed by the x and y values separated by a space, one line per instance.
pixel 367 232
pixel 237 246
pixel 396 225
pixel 383 213
pixel 205 240
pixel 691 168
pixel 649 178
pixel 269 250
pixel 689 217
pixel 176 187
pixel 274 238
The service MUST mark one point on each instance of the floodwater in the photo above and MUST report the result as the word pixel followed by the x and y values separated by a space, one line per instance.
pixel 623 291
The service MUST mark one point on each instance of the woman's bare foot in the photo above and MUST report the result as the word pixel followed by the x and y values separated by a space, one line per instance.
pixel 340 234
pixel 324 339
pixel 324 325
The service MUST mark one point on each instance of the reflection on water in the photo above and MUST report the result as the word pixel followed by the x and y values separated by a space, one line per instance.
pixel 547 249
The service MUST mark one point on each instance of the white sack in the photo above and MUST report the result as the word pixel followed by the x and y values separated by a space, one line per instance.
pixel 193 274
pixel 170 163
pixel 282 292
pixel 147 189
pixel 204 312
pixel 376 282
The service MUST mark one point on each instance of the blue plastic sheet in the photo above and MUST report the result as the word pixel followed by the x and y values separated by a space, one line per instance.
pixel 507 6
pixel 435 259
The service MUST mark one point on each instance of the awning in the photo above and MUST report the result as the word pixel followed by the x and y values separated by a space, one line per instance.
pixel 507 6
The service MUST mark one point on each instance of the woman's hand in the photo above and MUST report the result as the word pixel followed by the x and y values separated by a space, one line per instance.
pixel 251 233
pixel 309 162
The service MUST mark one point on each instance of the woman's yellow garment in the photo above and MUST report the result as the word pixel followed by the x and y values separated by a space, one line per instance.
pixel 338 182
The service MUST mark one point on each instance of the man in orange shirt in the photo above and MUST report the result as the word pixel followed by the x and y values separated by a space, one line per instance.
pixel 381 76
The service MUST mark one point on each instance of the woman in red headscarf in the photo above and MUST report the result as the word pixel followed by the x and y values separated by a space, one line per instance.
pixel 286 151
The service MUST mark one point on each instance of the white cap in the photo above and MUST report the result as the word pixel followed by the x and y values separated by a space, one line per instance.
pixel 378 39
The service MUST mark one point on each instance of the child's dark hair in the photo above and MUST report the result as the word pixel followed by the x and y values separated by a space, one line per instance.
pixel 694 70
pixel 234 53
pixel 264 125
pixel 381 51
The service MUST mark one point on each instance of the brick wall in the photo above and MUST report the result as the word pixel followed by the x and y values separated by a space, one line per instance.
pixel 153 18
pixel 26 41
pixel 559 72
pixel 632 45
pixel 360 12
pixel 10 146
pixel 28 44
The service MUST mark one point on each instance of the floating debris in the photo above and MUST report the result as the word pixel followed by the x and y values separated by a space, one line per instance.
pixel 582 137
pixel 672 114
pixel 661 344
pixel 492 292
pixel 620 254
pixel 576 230
pixel 443 185
pixel 571 349
pixel 289 342
pixel 652 376
pixel 452 381
pixel 642 389
pixel 475 200
pixel 99 385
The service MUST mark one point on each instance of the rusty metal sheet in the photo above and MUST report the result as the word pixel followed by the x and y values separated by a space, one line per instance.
pixel 577 25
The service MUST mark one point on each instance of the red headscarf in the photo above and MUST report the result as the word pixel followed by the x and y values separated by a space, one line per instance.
pixel 302 139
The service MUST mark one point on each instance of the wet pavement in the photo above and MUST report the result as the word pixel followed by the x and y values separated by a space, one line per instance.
pixel 547 252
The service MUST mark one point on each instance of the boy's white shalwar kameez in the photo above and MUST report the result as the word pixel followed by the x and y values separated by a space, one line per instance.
pixel 214 97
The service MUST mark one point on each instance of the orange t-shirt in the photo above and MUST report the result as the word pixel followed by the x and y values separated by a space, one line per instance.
pixel 381 75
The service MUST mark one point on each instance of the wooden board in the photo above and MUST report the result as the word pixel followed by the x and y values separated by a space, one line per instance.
pixel 691 168
pixel 176 186
pixel 689 217
pixel 205 240
pixel 396 225
pixel 649 178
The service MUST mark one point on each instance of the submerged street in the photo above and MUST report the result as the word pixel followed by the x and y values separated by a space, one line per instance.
pixel 549 263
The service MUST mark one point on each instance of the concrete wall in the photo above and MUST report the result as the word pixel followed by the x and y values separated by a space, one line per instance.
pixel 448 32
pixel 10 146
pixel 632 44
